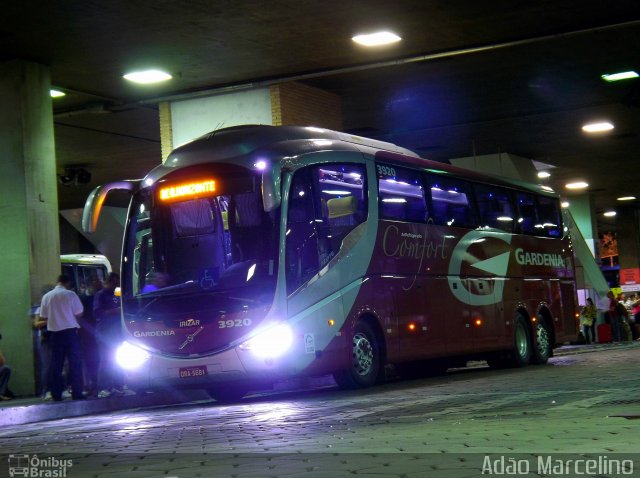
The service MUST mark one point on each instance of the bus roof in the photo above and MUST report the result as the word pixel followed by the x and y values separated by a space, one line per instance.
pixel 245 144
pixel 84 259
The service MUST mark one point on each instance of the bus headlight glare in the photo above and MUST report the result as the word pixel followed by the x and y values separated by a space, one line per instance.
pixel 130 357
pixel 272 343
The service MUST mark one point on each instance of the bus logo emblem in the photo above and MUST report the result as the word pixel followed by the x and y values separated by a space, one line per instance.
pixel 496 266
pixel 189 323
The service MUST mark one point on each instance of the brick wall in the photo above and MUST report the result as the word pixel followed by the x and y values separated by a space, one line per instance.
pixel 166 131
pixel 301 105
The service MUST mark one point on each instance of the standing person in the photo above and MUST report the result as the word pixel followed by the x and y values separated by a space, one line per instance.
pixel 636 315
pixel 88 337
pixel 587 319
pixel 5 374
pixel 61 308
pixel 613 317
pixel 106 309
pixel 623 319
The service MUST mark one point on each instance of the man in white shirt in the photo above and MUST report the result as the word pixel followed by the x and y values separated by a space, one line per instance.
pixel 61 308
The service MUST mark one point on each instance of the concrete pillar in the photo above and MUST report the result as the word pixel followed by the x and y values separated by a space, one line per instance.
pixel 583 212
pixel 29 240
pixel 628 236
pixel 501 164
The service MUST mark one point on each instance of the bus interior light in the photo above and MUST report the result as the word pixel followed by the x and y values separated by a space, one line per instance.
pixel 130 357
pixel 271 343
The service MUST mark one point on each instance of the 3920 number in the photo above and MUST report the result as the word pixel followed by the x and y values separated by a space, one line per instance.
pixel 227 324
pixel 385 170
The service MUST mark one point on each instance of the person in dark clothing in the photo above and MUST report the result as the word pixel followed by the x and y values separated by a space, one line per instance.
pixel 5 374
pixel 88 338
pixel 106 309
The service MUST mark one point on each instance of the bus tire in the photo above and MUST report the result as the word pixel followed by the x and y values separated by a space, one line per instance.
pixel 542 347
pixel 228 393
pixel 365 367
pixel 520 353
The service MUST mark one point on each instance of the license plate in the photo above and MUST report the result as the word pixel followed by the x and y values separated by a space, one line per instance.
pixel 199 371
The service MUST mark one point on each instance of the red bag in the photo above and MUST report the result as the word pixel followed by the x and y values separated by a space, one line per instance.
pixel 604 333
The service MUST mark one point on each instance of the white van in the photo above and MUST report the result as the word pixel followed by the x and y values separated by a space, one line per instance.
pixel 81 268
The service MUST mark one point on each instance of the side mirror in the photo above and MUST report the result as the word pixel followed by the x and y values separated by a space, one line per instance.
pixel 96 198
pixel 271 187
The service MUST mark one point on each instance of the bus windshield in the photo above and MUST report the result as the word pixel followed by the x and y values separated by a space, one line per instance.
pixel 202 242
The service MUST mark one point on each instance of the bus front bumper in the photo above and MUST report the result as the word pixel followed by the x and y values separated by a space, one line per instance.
pixel 158 371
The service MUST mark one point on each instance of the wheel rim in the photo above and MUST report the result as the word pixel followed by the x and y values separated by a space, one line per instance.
pixel 522 344
pixel 362 354
pixel 542 340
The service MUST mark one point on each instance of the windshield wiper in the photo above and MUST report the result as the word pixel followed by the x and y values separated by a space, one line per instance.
pixel 171 290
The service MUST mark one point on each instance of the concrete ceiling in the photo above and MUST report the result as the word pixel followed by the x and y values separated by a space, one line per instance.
pixel 527 93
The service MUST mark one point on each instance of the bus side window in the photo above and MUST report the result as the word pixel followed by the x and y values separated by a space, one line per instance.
pixel 343 205
pixel 549 217
pixel 527 218
pixel 325 204
pixel 451 203
pixel 494 208
pixel 401 195
pixel 302 240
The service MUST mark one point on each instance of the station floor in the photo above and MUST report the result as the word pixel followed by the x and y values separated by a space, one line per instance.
pixel 583 405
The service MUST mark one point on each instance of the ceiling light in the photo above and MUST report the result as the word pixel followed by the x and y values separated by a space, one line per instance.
pixel 626 198
pixel 147 77
pixel 624 75
pixel 564 204
pixel 376 39
pixel 610 213
pixel 57 93
pixel 577 185
pixel 544 174
pixel 597 127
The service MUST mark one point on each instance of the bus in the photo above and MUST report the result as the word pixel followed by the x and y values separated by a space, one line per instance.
pixel 258 253
pixel 83 269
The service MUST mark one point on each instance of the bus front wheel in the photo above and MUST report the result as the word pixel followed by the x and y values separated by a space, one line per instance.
pixel 365 366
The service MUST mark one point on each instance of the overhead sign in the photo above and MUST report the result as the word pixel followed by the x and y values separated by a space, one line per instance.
pixel 629 276
pixel 188 190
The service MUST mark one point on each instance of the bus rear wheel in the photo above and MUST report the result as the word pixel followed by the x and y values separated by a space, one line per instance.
pixel 520 353
pixel 365 367
pixel 543 347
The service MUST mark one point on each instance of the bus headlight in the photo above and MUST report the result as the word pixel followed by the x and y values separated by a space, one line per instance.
pixel 271 343
pixel 130 357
